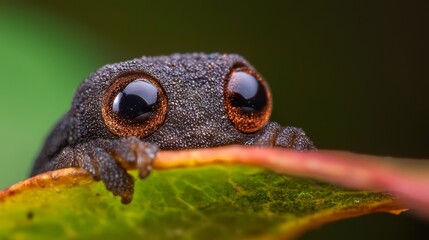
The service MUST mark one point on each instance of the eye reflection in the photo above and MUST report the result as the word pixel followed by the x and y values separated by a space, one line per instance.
pixel 137 101
pixel 247 93
pixel 247 100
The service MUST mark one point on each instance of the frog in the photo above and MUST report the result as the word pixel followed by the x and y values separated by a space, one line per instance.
pixel 123 114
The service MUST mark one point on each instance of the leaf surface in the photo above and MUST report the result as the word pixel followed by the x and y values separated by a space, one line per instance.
pixel 213 202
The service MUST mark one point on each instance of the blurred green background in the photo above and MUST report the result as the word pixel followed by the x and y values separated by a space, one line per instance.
pixel 353 74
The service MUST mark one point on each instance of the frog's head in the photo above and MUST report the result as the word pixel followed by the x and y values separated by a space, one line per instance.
pixel 178 101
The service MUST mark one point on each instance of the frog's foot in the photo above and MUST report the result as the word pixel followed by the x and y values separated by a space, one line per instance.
pixel 277 136
pixel 108 160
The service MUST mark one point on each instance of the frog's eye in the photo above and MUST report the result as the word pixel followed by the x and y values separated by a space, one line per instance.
pixel 134 105
pixel 247 100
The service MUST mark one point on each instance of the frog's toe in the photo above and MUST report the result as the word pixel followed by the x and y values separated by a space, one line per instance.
pixel 295 138
pixel 116 178
pixel 108 160
pixel 274 134
pixel 132 152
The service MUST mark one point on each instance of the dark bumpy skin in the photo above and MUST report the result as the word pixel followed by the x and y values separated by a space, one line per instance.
pixel 196 118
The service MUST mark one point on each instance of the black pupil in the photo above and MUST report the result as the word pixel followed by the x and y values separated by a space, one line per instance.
pixel 247 92
pixel 137 101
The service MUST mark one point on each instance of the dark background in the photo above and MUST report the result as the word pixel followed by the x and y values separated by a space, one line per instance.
pixel 353 74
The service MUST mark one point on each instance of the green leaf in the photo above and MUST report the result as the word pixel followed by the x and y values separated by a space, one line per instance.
pixel 215 202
